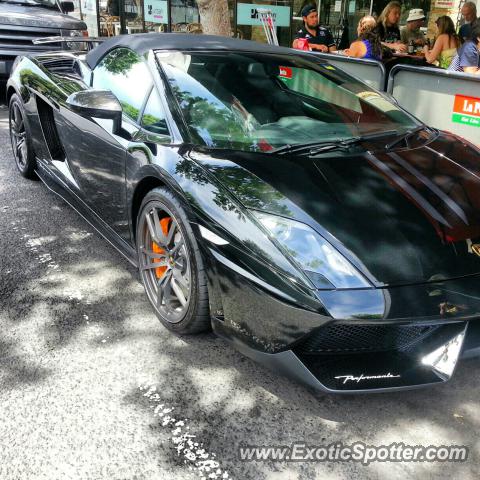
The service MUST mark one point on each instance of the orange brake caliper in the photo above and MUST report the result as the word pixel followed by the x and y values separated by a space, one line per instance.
pixel 165 224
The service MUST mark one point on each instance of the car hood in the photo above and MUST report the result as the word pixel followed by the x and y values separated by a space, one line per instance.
pixel 31 16
pixel 409 216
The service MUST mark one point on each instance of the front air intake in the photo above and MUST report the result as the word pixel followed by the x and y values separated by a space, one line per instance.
pixel 347 338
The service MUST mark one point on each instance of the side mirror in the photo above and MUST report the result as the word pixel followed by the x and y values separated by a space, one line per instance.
pixel 67 6
pixel 97 103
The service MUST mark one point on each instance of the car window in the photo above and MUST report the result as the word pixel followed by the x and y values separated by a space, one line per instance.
pixel 258 102
pixel 153 118
pixel 124 73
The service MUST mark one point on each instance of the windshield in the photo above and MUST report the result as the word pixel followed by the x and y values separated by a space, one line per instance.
pixel 258 102
pixel 46 3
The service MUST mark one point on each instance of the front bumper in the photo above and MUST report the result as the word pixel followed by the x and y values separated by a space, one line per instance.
pixel 432 361
pixel 374 346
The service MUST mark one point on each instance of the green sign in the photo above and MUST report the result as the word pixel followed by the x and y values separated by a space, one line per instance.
pixel 466 119
pixel 156 11
pixel 247 14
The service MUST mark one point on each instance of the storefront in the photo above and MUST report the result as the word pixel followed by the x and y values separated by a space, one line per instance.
pixel 114 17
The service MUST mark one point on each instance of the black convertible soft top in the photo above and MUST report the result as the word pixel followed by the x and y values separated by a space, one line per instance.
pixel 143 42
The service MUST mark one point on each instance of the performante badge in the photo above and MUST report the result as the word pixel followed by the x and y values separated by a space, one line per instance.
pixel 476 249
pixel 362 377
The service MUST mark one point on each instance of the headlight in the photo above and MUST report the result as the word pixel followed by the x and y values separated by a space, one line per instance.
pixel 325 266
pixel 74 33
pixel 75 45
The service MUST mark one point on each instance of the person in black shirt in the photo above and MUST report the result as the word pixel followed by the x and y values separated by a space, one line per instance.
pixel 388 27
pixel 319 38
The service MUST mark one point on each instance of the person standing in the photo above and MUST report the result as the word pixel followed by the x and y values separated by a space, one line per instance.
pixel 319 38
pixel 411 31
pixel 469 13
pixel 388 27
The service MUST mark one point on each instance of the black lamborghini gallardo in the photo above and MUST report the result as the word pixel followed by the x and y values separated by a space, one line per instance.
pixel 308 219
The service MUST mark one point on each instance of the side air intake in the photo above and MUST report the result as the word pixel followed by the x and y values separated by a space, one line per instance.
pixel 49 127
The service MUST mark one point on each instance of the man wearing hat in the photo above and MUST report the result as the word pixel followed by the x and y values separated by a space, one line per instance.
pixel 411 31
pixel 319 38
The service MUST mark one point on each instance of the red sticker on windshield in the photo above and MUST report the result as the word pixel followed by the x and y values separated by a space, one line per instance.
pixel 264 145
pixel 285 72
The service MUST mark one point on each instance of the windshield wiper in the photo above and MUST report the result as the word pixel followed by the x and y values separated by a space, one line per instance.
pixel 298 147
pixel 315 148
pixel 404 137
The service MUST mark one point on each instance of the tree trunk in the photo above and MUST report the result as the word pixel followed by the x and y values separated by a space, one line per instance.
pixel 215 17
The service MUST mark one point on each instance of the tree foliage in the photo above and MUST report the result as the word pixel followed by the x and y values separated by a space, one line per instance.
pixel 119 61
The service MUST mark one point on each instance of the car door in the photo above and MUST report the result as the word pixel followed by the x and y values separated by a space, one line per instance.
pixel 97 157
pixel 151 144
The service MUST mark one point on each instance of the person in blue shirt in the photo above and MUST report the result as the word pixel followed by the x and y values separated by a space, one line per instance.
pixel 467 58
pixel 469 13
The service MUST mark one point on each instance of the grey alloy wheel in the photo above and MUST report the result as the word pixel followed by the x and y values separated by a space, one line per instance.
pixel 170 264
pixel 165 264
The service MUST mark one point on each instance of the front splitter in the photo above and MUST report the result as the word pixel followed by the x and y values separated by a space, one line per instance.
pixel 431 362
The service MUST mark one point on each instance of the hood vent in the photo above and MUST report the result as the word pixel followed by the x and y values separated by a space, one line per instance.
pixel 59 65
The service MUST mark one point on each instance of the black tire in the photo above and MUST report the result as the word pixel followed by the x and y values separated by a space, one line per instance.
pixel 181 260
pixel 20 133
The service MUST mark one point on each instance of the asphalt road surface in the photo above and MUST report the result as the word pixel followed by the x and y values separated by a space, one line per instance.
pixel 92 386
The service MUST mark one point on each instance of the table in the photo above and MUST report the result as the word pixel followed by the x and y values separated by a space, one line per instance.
pixel 414 57
pixel 406 59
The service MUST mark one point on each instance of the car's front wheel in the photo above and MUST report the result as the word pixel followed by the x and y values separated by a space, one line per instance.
pixel 20 137
pixel 170 264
